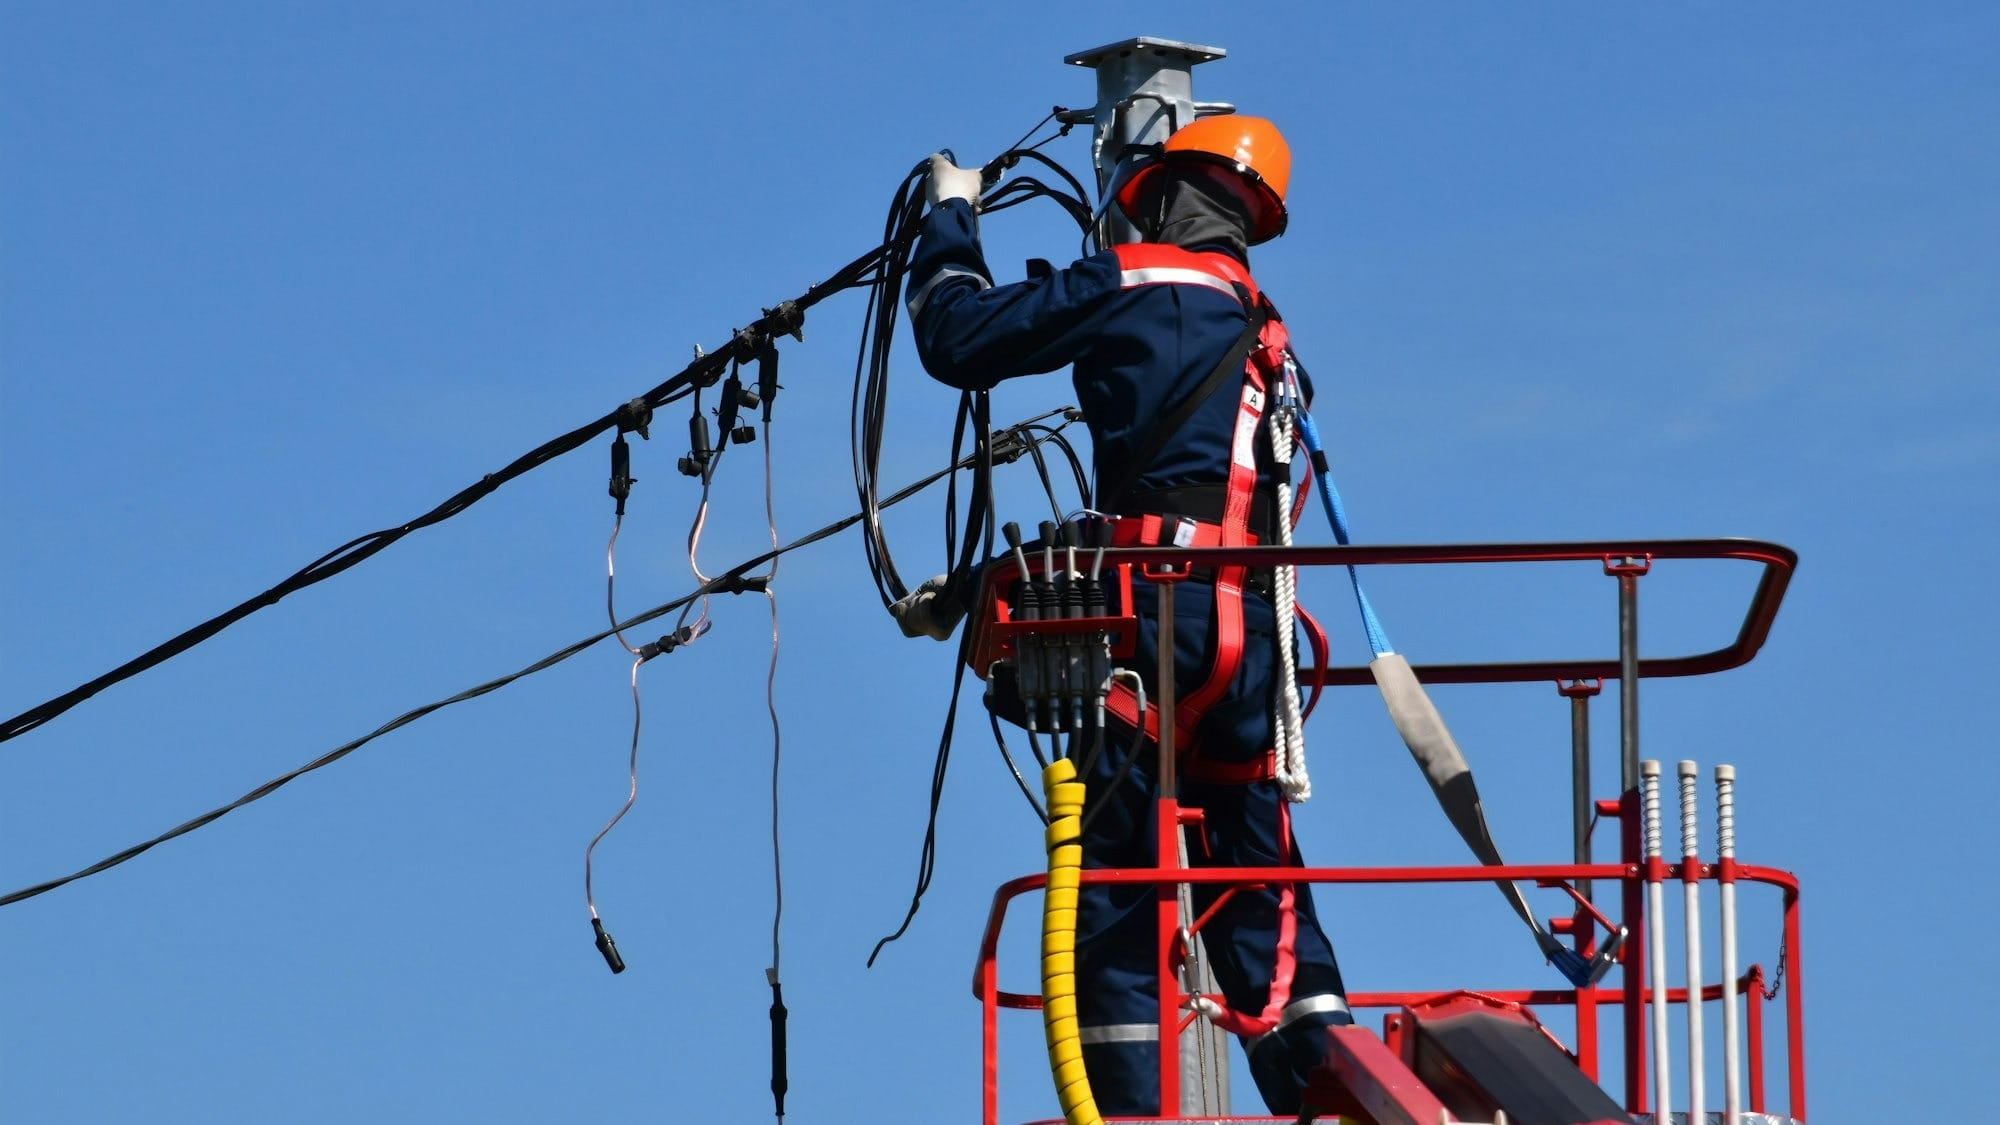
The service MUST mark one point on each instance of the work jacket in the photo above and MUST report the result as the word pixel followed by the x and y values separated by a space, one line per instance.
pixel 1139 348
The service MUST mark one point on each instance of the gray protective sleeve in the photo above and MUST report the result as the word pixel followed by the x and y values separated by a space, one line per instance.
pixel 1438 755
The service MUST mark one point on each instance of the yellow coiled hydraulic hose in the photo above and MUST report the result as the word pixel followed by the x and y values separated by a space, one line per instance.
pixel 1065 798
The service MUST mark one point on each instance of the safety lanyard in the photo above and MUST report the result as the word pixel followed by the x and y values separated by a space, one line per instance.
pixel 1423 729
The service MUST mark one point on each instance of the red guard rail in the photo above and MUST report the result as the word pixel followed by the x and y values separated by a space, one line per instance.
pixel 1778 563
pixel 994 637
pixel 1585 1001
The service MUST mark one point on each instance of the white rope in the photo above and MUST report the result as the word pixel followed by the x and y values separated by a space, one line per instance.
pixel 1289 723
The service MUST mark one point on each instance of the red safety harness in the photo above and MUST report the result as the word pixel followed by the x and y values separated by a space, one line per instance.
pixel 1155 264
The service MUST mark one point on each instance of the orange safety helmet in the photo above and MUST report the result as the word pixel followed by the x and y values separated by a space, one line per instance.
pixel 1252 147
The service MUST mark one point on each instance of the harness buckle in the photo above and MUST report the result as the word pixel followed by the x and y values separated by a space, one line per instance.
pixel 1183 535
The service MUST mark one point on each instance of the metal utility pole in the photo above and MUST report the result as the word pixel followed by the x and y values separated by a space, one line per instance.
pixel 1145 91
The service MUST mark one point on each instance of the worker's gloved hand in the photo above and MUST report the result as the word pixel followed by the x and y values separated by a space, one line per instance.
pixel 949 181
pixel 926 611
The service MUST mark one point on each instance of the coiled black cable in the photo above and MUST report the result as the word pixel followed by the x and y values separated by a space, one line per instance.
pixel 868 416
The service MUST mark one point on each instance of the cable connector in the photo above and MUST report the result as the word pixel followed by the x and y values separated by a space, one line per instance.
pixel 1008 446
pixel 699 449
pixel 735 399
pixel 686 634
pixel 607 947
pixel 634 417
pixel 741 584
pixel 621 471
pixel 767 377
pixel 787 319
pixel 779 1082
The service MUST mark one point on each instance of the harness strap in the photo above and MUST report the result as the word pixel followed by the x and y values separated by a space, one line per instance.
pixel 1284 963
pixel 1149 263
pixel 1227 640
pixel 1152 530
pixel 1259 354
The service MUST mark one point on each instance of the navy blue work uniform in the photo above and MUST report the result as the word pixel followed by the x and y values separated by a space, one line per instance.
pixel 1138 350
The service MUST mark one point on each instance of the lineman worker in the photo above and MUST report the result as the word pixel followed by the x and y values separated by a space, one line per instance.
pixel 1147 326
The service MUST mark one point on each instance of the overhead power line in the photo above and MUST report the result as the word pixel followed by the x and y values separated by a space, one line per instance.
pixel 785 318
pixel 1009 445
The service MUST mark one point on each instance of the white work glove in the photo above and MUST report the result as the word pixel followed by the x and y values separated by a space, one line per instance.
pixel 949 181
pixel 924 612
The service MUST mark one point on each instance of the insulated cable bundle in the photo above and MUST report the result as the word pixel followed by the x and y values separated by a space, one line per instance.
pixel 869 407
pixel 785 318
pixel 736 579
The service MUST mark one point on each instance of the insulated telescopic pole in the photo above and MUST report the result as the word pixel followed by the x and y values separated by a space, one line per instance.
pixel 1725 860
pixel 1691 884
pixel 1656 926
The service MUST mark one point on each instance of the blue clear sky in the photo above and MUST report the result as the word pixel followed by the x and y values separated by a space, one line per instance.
pixel 272 276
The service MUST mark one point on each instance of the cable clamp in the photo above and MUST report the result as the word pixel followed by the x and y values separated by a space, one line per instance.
pixel 741 584
pixel 634 417
pixel 786 319
pixel 1007 446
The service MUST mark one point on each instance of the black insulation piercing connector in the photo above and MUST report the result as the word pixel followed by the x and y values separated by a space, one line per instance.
pixel 636 416
pixel 741 584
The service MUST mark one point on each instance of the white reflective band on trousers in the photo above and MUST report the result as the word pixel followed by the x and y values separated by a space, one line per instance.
pixel 1119 1033
pixel 1174 275
pixel 1300 1009
pixel 1150 1032
pixel 916 300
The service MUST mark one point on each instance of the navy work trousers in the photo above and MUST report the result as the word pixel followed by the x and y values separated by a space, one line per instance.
pixel 1117 931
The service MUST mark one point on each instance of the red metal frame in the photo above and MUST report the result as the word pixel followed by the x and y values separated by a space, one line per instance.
pixel 1778 562
pixel 986 987
pixel 994 633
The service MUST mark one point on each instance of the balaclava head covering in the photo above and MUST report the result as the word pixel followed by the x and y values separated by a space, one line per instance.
pixel 1189 209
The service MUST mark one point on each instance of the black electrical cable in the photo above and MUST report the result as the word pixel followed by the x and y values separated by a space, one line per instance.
pixel 730 581
pixel 869 406
pixel 927 858
pixel 868 410
pixel 1006 755
pixel 784 318
pixel 1076 469
pixel 873 369
pixel 1049 485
